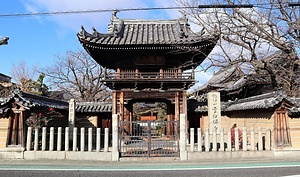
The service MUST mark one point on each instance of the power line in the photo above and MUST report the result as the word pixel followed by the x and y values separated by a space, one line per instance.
pixel 91 11
pixel 138 9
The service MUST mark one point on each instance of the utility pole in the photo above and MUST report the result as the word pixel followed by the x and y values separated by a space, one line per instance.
pixel 4 41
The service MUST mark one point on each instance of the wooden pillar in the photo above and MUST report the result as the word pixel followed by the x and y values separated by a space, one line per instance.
pixel 184 103
pixel 179 73
pixel 114 102
pixel 118 73
pixel 177 107
pixel 136 73
pixel 193 73
pixel 121 106
pixel 161 73
pixel 202 124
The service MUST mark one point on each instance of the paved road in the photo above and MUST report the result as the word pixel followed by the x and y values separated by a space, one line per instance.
pixel 23 168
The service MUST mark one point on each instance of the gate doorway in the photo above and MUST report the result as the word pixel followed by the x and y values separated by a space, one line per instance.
pixel 149 139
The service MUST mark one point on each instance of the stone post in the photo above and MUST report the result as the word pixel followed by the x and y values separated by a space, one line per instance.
pixel 199 139
pixel 182 141
pixel 51 140
pixel 115 137
pixel 268 138
pixel 214 141
pixel 90 139
pixel 44 134
pixel 72 105
pixel 67 139
pixel 244 139
pixel 252 142
pixel 260 142
pixel 229 145
pixel 29 134
pixel 207 141
pixel 221 139
pixel 98 142
pixel 59 133
pixel 192 142
pixel 106 133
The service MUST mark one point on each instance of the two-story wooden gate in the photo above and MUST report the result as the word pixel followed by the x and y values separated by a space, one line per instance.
pixel 149 138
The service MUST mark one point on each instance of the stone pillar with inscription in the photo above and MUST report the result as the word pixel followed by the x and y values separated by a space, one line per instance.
pixel 71 120
pixel 214 111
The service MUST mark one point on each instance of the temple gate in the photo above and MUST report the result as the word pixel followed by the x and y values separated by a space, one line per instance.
pixel 148 61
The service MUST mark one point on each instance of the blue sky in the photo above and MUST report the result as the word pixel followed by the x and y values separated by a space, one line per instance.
pixel 37 39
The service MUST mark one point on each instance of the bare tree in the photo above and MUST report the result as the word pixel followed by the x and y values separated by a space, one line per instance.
pixel 79 76
pixel 25 77
pixel 254 38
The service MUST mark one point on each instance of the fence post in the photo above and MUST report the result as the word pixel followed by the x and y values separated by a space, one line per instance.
pixel 214 149
pixel 268 138
pixel 106 139
pixel 51 139
pixel 252 138
pixel 67 139
pixel 82 137
pixel 192 142
pixel 221 139
pixel 28 144
pixel 244 139
pixel 229 145
pixel 199 139
pixel 90 139
pixel 98 142
pixel 207 143
pixel 260 144
pixel 36 139
pixel 74 138
pixel 115 137
pixel 59 132
pixel 44 133
pixel 183 136
pixel 236 139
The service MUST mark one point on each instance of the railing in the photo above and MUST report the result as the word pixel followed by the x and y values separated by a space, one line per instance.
pixel 61 139
pixel 163 75
pixel 223 141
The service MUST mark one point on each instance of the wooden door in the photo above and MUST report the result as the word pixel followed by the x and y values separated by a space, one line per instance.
pixel 282 135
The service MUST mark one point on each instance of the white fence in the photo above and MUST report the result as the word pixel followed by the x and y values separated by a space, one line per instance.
pixel 252 140
pixel 62 139
pixel 90 144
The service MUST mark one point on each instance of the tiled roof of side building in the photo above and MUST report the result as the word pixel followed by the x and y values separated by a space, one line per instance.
pixel 95 107
pixel 145 32
pixel 262 101
pixel 31 101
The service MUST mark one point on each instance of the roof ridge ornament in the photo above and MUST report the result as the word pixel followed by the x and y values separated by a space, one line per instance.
pixel 184 17
pixel 114 15
pixel 83 31
pixel 183 26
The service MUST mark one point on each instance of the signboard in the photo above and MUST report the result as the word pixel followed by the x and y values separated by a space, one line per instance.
pixel 214 111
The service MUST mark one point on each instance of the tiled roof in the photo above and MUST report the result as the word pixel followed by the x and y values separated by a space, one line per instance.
pixel 146 32
pixel 263 101
pixel 221 79
pixel 94 107
pixel 30 101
